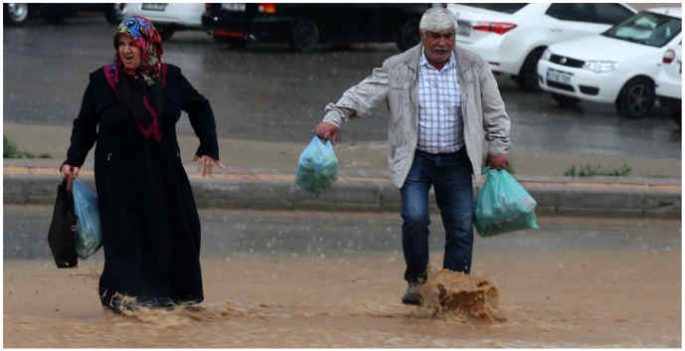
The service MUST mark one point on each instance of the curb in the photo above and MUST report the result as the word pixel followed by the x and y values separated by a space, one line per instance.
pixel 600 196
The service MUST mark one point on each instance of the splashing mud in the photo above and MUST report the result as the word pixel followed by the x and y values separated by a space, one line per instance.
pixel 452 292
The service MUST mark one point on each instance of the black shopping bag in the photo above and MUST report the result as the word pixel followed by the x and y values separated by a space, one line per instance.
pixel 62 233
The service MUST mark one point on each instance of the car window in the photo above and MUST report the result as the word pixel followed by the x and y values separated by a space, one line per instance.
pixel 571 12
pixel 611 13
pixel 647 28
pixel 502 7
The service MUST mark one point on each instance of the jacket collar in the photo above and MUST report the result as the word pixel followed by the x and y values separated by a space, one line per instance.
pixel 413 55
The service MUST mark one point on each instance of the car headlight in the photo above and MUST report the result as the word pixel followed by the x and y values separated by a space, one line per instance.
pixel 600 66
pixel 546 55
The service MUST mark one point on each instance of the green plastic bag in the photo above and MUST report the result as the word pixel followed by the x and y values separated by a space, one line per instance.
pixel 88 236
pixel 503 205
pixel 317 168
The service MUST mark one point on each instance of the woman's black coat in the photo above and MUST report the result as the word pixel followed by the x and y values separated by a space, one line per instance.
pixel 150 224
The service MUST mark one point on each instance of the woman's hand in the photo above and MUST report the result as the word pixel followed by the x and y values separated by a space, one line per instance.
pixel 69 173
pixel 205 164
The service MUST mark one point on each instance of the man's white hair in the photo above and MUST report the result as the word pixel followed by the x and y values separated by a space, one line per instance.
pixel 437 19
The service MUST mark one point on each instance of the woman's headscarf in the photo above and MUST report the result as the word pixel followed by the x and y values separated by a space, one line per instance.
pixel 145 37
pixel 141 93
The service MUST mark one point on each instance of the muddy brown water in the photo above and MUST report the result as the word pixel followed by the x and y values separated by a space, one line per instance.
pixel 549 299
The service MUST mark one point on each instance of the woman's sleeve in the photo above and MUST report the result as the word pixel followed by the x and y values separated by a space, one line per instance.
pixel 201 118
pixel 84 131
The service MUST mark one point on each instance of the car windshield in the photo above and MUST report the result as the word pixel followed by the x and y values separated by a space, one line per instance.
pixel 646 28
pixel 501 7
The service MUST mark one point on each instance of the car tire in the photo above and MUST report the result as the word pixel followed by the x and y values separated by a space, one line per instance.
pixel 16 14
pixel 408 34
pixel 565 101
pixel 114 14
pixel 527 78
pixel 636 98
pixel 305 36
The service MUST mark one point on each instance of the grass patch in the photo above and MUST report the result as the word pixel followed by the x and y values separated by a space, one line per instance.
pixel 10 151
pixel 589 170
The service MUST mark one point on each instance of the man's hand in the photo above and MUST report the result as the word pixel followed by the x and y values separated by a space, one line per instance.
pixel 326 131
pixel 205 164
pixel 69 173
pixel 498 161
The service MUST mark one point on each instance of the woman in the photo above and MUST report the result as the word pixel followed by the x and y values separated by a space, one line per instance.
pixel 150 225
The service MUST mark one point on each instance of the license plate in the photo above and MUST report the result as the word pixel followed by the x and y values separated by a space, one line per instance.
pixel 559 76
pixel 154 7
pixel 463 28
pixel 234 7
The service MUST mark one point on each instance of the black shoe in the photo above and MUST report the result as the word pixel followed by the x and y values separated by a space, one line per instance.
pixel 412 296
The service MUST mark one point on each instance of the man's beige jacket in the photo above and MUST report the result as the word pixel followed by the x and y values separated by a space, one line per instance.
pixel 486 123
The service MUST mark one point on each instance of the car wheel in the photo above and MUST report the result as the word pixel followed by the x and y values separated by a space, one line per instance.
pixel 527 78
pixel 16 14
pixel 564 100
pixel 305 36
pixel 408 34
pixel 114 13
pixel 636 98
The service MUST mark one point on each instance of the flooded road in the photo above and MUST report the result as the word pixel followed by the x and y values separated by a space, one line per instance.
pixel 302 279
pixel 550 299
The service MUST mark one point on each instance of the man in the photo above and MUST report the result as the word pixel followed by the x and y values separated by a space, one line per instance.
pixel 444 105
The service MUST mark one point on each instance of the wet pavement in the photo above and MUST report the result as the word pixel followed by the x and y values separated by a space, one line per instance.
pixel 303 279
pixel 326 234
pixel 266 93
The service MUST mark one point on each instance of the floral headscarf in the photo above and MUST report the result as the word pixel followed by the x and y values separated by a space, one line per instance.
pixel 146 37
pixel 143 98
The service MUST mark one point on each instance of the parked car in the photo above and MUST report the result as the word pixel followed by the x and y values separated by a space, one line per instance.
pixel 618 66
pixel 18 13
pixel 668 81
pixel 305 26
pixel 168 17
pixel 511 37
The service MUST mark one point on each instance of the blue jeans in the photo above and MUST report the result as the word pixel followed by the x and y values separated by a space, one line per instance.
pixel 450 174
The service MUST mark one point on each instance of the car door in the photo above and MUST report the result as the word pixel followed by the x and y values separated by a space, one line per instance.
pixel 565 21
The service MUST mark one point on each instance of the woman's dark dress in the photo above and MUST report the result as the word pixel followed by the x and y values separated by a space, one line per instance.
pixel 150 225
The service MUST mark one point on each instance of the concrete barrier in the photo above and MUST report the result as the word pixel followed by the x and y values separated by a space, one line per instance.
pixel 555 196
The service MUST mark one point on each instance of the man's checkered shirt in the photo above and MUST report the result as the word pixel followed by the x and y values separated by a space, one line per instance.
pixel 440 123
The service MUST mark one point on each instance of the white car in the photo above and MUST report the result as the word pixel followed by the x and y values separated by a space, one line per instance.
pixel 668 81
pixel 167 17
pixel 511 37
pixel 618 66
